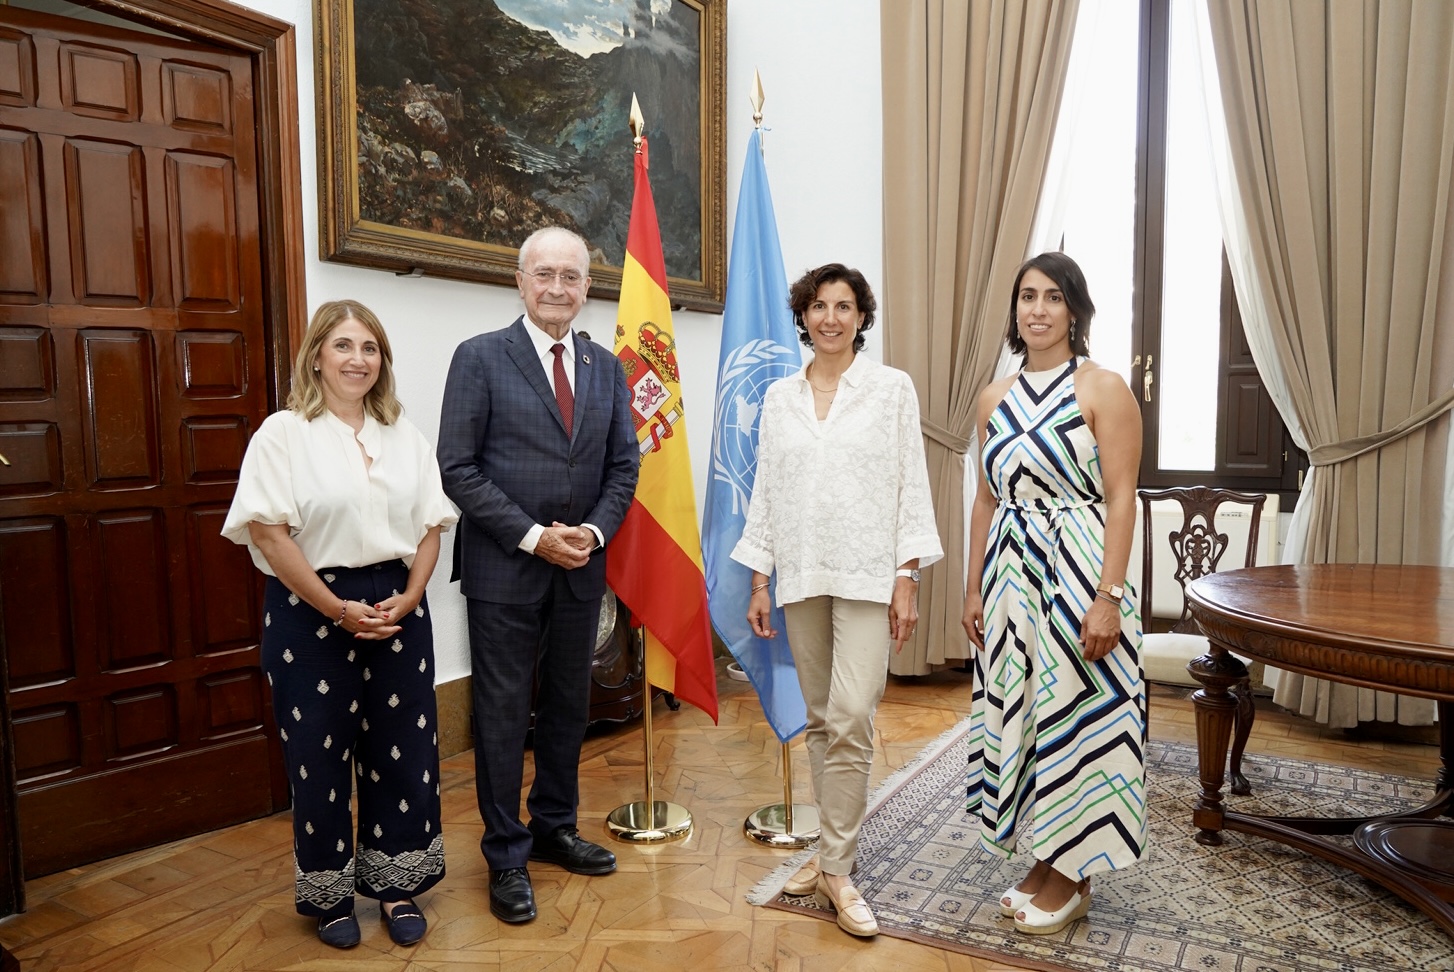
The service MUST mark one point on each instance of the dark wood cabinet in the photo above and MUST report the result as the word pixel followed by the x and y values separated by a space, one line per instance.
pixel 617 680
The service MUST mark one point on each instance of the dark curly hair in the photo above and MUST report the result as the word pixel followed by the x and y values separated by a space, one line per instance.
pixel 1066 274
pixel 805 290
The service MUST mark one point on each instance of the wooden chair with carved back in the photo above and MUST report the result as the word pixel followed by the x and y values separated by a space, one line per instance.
pixel 1197 548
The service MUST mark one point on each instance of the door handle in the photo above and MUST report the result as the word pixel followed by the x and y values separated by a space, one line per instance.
pixel 3 459
pixel 1147 377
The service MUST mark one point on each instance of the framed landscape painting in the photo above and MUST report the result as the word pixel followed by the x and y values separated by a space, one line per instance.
pixel 449 130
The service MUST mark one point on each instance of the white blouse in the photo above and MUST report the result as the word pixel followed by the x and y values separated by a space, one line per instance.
pixel 341 513
pixel 838 504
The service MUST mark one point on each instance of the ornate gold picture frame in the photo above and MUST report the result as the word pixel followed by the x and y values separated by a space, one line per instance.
pixel 448 130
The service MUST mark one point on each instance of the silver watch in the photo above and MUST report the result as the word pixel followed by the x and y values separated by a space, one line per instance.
pixel 912 575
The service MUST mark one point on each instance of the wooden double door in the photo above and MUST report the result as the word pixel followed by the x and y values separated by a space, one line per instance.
pixel 133 368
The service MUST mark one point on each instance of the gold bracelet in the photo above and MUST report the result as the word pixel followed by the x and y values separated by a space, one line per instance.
pixel 761 587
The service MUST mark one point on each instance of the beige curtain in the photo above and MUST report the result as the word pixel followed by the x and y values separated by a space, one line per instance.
pixel 970 94
pixel 1340 122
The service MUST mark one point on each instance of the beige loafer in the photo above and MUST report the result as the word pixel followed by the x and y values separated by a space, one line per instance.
pixel 854 915
pixel 804 882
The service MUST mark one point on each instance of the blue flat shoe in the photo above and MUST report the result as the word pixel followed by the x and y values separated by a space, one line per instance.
pixel 406 925
pixel 340 931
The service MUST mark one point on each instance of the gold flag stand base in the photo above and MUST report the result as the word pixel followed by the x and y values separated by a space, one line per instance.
pixel 782 824
pixel 637 824
pixel 778 825
pixel 649 821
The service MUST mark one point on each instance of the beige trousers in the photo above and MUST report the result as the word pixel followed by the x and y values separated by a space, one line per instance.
pixel 841 650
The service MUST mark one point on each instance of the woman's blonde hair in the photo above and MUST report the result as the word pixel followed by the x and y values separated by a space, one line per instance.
pixel 306 396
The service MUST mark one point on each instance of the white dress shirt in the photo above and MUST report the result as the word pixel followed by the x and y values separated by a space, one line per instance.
pixel 839 504
pixel 341 513
pixel 543 344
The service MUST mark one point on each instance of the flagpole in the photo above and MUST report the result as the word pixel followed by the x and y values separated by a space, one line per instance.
pixel 650 820
pixel 779 824
pixel 782 824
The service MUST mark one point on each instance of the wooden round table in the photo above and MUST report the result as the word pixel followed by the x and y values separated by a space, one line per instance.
pixel 1380 626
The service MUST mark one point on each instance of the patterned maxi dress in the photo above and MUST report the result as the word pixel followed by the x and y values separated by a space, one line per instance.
pixel 1053 739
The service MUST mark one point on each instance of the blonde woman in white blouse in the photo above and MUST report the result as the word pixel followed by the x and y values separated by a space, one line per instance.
pixel 340 504
pixel 841 511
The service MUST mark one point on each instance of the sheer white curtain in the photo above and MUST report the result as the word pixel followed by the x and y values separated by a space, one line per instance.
pixel 1089 190
pixel 971 92
pixel 1090 187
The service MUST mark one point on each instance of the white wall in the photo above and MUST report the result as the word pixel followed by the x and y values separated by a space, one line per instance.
pixel 819 61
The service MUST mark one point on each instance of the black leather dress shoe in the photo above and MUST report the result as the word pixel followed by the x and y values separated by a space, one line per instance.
pixel 567 848
pixel 512 898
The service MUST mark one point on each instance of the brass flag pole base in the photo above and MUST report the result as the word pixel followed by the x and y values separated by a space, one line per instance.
pixel 782 824
pixel 662 822
pixel 649 821
pixel 772 825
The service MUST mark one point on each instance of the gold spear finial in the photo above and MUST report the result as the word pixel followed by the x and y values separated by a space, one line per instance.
pixel 756 98
pixel 638 123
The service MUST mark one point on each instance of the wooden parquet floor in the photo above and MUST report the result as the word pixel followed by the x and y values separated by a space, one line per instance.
pixel 223 901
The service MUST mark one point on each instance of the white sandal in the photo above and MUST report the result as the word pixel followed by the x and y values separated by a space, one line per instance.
pixel 1013 900
pixel 1032 921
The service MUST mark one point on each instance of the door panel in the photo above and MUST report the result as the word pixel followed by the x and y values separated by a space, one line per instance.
pixel 131 574
pixel 100 82
pixel 33 572
pixel 106 202
pixel 225 596
pixel 34 452
pixel 205 228
pixel 22 230
pixel 17 67
pixel 121 423
pixel 133 368
pixel 26 366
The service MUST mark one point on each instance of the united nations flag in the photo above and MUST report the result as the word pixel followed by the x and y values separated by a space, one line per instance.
pixel 759 346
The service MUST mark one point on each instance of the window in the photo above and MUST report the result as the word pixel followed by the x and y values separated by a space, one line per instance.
pixel 1135 203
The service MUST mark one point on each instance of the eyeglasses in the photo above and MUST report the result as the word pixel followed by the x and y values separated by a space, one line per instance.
pixel 569 278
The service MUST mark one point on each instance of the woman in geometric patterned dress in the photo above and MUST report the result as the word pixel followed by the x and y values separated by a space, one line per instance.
pixel 340 504
pixel 1058 715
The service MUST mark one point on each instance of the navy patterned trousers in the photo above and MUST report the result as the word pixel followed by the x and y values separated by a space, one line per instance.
pixel 350 708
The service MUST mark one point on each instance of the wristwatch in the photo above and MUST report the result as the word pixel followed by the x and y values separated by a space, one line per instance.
pixel 1115 590
pixel 912 575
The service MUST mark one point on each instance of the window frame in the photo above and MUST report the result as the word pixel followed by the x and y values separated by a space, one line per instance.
pixel 1254 450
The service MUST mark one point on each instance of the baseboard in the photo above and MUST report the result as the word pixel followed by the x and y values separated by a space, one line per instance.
pixel 453 699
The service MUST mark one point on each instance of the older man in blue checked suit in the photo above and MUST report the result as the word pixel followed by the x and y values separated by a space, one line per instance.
pixel 537 448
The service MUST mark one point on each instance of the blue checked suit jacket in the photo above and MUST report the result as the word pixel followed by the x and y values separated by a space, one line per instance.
pixel 508 462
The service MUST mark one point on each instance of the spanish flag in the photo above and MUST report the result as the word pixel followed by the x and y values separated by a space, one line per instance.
pixel 655 564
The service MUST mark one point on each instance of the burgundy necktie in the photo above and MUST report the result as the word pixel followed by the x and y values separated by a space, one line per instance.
pixel 563 396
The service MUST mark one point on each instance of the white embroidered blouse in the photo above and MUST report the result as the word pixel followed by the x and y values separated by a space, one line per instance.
pixel 341 513
pixel 838 505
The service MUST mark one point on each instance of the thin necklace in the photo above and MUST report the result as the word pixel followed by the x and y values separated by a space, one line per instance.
pixel 821 391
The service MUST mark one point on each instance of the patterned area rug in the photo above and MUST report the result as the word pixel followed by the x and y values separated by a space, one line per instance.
pixel 1251 905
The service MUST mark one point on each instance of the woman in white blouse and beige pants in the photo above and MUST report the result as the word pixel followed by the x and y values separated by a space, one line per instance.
pixel 841 511
pixel 340 504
